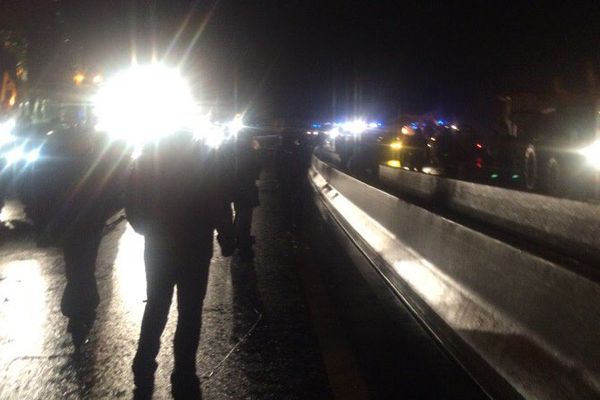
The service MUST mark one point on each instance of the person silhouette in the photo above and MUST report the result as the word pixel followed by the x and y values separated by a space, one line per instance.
pixel 176 199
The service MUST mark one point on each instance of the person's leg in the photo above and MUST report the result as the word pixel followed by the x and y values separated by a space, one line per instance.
pixel 191 289
pixel 160 280
pixel 243 228
pixel 80 250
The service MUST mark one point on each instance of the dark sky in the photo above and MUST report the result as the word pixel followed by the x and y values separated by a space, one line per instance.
pixel 318 58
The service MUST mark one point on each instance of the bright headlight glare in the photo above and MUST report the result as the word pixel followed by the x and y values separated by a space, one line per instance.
pixel 14 156
pixel 6 139
pixel 356 127
pixel 33 155
pixel 235 125
pixel 6 129
pixel 334 132
pixel 396 145
pixel 7 126
pixel 210 133
pixel 143 103
pixel 592 154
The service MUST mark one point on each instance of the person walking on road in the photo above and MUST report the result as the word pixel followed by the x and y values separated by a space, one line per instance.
pixel 70 199
pixel 245 193
pixel 176 200
pixel 293 161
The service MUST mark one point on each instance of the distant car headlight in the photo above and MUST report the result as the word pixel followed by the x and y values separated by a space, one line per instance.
pixel 6 139
pixel 18 154
pixel 356 126
pixel 14 156
pixel 6 129
pixel 130 106
pixel 334 132
pixel 396 145
pixel 236 125
pixel 592 154
pixel 32 156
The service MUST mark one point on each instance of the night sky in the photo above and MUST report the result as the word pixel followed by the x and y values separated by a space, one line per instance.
pixel 318 59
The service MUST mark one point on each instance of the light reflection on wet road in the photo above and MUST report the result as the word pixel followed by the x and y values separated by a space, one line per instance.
pixel 38 360
pixel 130 283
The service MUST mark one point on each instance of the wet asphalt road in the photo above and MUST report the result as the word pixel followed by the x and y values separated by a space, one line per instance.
pixel 256 340
pixel 299 323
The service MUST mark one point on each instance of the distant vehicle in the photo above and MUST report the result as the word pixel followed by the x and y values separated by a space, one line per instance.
pixel 355 146
pixel 53 125
pixel 548 144
pixel 437 147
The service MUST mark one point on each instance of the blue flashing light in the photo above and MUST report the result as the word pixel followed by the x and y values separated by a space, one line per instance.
pixel 414 125
pixel 316 125
pixel 441 122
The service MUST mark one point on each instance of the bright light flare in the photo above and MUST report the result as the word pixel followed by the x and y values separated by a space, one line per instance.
pixel 356 127
pixel 592 154
pixel 334 132
pixel 6 129
pixel 396 145
pixel 14 156
pixel 19 154
pixel 144 103
pixel 236 125
pixel 32 156
pixel 78 78
pixel 210 133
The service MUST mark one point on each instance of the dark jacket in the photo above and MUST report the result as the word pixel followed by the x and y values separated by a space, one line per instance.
pixel 176 192
pixel 247 172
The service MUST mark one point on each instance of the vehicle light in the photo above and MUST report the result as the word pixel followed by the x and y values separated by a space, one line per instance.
pixel 592 154
pixel 14 156
pixel 393 163
pixel 236 125
pixel 33 155
pixel 396 145
pixel 78 78
pixel 334 132
pixel 130 107
pixel 6 129
pixel 356 127
pixel 479 146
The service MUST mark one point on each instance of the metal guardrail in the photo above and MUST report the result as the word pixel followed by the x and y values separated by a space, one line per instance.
pixel 568 225
pixel 530 320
